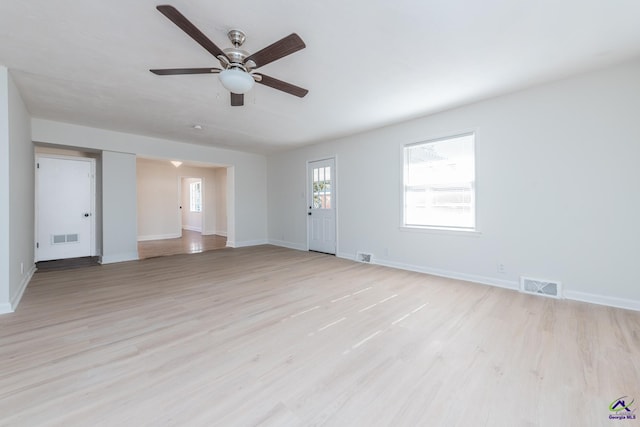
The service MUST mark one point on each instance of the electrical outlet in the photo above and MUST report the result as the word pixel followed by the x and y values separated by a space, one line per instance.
pixel 501 268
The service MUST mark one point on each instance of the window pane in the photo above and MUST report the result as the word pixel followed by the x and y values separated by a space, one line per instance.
pixel 195 197
pixel 439 183
pixel 322 188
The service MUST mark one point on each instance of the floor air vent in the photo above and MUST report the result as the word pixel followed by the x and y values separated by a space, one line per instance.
pixel 542 287
pixel 364 257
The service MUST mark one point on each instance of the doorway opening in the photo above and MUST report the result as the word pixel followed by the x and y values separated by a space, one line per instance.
pixel 65 207
pixel 182 207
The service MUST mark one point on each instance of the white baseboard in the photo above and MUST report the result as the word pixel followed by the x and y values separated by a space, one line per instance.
pixel 15 300
pixel 10 307
pixel 507 284
pixel 603 300
pixel 290 245
pixel 220 233
pixel 5 308
pixel 158 237
pixel 501 283
pixel 111 259
pixel 192 228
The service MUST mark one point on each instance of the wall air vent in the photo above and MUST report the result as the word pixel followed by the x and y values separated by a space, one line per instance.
pixel 364 257
pixel 547 288
pixel 57 239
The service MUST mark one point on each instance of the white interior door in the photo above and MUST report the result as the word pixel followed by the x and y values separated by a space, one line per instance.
pixel 65 214
pixel 322 206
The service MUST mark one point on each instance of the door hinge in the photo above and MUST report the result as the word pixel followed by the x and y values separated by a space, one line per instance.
pixel 37 245
pixel 38 165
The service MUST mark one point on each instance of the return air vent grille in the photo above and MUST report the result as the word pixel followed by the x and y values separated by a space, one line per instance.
pixel 57 239
pixel 547 288
pixel 364 257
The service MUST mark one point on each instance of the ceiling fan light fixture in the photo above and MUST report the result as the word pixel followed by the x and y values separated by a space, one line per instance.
pixel 236 80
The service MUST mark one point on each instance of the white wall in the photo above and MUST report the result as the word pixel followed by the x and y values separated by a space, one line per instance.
pixel 557 198
pixel 17 195
pixel 119 216
pixel 158 209
pixel 247 210
pixel 5 299
pixel 221 202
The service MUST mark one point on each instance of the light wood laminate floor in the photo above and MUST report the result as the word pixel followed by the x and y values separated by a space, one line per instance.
pixel 191 242
pixel 272 336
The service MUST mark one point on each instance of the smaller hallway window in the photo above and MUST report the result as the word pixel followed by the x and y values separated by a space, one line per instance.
pixel 195 197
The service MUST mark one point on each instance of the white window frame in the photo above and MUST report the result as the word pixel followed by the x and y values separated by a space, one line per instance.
pixel 192 198
pixel 437 228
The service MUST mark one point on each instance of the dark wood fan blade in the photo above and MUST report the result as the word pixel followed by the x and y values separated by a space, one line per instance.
pixel 191 30
pixel 283 47
pixel 237 99
pixel 283 86
pixel 176 71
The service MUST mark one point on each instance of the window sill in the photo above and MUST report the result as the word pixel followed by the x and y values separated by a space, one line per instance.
pixel 441 231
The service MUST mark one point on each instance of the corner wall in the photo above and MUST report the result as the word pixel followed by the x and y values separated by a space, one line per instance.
pixel 5 299
pixel 119 215
pixel 557 176
pixel 17 195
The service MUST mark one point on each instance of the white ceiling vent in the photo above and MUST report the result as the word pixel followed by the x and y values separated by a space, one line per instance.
pixel 547 288
pixel 364 257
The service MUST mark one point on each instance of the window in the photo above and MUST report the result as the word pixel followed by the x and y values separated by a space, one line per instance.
pixel 439 183
pixel 322 187
pixel 195 197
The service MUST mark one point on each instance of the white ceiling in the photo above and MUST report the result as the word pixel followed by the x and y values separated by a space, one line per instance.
pixel 368 63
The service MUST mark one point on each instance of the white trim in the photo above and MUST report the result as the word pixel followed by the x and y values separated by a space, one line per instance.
pixel 249 243
pixel 93 244
pixel 231 244
pixel 219 233
pixel 628 304
pixel 484 280
pixel 15 300
pixel 290 245
pixel 111 259
pixel 440 137
pixel 158 237
pixel 463 232
pixel 187 208
pixel 334 194
pixel 5 308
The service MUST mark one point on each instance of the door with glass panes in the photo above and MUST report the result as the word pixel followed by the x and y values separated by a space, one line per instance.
pixel 322 206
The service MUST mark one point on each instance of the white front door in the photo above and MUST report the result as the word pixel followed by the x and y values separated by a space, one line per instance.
pixel 65 214
pixel 322 206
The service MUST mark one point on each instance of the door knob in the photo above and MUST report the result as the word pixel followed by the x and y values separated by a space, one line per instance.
pixel 309 213
pixel 86 215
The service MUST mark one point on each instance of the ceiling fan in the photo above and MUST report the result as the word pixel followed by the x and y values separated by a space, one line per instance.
pixel 237 73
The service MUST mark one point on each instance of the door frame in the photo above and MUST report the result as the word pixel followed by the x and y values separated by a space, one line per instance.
pixel 92 238
pixel 202 202
pixel 334 191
